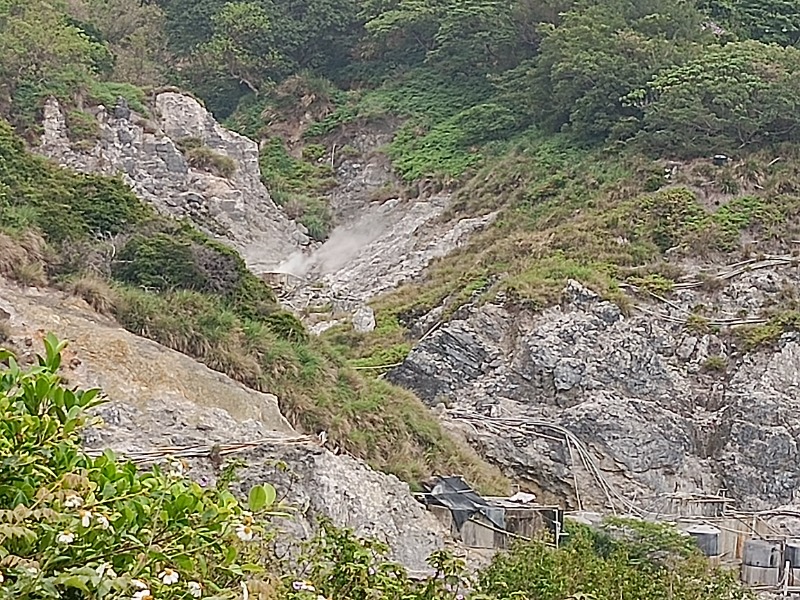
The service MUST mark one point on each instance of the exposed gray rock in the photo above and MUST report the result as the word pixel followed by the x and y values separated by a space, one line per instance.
pixel 364 319
pixel 236 210
pixel 351 495
pixel 383 238
pixel 634 390
pixel 389 244
pixel 761 455
pixel 161 398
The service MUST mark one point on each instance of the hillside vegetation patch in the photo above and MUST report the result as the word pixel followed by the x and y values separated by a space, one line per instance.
pixel 167 281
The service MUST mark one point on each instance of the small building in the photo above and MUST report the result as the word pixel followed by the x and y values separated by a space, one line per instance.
pixel 492 522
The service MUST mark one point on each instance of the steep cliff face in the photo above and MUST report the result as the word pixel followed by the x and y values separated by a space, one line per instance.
pixel 161 399
pixel 658 406
pixel 384 237
pixel 236 208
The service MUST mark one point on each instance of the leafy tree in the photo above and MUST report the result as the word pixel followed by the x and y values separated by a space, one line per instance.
pixel 741 95
pixel 229 49
pixel 459 35
pixel 244 44
pixel 41 53
pixel 769 21
pixel 134 33
pixel 529 15
pixel 595 56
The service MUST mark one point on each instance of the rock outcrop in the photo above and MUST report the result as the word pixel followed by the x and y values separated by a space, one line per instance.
pixel 160 398
pixel 659 406
pixel 377 244
pixel 236 209
pixel 384 238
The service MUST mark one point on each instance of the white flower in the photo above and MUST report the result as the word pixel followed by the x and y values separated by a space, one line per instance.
pixel 169 576
pixel 177 467
pixel 320 597
pixel 195 589
pixel 105 569
pixel 142 595
pixel 65 537
pixel 2 579
pixel 103 522
pixel 245 532
pixel 138 584
pixel 73 501
pixel 302 586
pixel 247 517
pixel 86 517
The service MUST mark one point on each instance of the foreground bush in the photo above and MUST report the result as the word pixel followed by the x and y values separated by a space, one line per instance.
pixel 76 527
pixel 628 560
pixel 73 526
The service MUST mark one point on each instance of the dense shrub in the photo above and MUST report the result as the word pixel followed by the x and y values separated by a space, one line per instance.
pixel 159 262
pixel 740 95
pixel 624 559
pixel 64 205
pixel 77 527
pixel 207 159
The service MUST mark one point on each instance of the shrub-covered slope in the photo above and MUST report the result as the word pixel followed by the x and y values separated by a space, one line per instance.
pixel 166 281
pixel 77 526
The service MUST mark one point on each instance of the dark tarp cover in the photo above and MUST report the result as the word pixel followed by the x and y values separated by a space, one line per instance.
pixel 463 503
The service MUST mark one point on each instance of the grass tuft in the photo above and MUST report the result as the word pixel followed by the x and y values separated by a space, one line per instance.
pixel 95 291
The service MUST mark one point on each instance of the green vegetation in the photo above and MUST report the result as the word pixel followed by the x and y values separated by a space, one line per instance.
pixel 297 184
pixel 200 156
pixel 624 559
pixel 74 526
pixel 81 527
pixel 63 205
pixel 588 127
pixel 165 280
pixel 715 364
pixel 757 336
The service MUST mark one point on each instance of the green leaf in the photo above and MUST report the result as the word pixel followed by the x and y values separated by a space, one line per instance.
pixel 252 568
pixel 261 496
pixel 230 556
pixel 75 581
pixel 109 490
pixel 184 563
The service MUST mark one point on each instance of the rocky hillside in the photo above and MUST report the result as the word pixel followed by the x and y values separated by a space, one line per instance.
pixel 661 407
pixel 593 403
pixel 188 166
pixel 162 401
pixel 567 227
